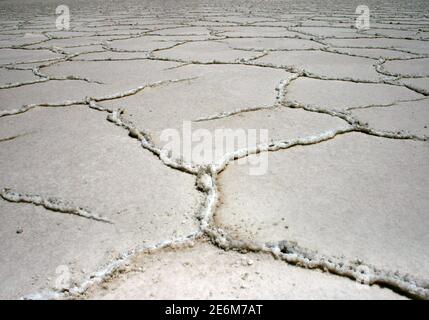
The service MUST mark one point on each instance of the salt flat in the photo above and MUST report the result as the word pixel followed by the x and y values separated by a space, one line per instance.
pixel 95 204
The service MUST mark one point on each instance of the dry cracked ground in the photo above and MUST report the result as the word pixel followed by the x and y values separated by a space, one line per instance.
pixel 92 206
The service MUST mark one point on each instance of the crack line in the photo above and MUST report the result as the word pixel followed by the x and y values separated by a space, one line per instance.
pixel 52 204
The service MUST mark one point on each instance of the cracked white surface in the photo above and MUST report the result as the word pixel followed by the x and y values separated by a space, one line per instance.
pixel 81 112
pixel 357 196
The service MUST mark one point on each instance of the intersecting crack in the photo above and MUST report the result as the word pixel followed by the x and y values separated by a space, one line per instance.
pixel 206 183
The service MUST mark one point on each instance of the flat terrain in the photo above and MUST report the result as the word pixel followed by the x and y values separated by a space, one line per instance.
pixel 95 205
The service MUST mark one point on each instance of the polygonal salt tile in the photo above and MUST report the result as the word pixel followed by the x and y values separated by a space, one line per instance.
pixel 375 53
pixel 343 95
pixel 205 51
pixel 272 44
pixel 75 157
pixel 355 196
pixel 407 68
pixel 413 46
pixel 409 117
pixel 8 56
pixel 324 64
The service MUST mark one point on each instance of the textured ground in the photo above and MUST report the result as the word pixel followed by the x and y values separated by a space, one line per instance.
pixel 86 185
